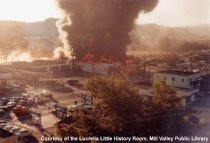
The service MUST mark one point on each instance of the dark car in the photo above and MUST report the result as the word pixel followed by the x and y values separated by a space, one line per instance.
pixel 4 99
pixel 72 82
pixel 1 111
pixel 75 83
pixel 1 103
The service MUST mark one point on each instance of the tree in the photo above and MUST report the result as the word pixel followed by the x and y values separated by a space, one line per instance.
pixel 165 109
pixel 118 102
pixel 80 124
pixel 164 96
pixel 121 110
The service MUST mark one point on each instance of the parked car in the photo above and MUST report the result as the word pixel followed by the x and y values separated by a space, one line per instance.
pixel 80 106
pixel 72 82
pixel 23 132
pixel 4 99
pixel 11 104
pixel 2 125
pixel 1 107
pixel 21 110
pixel 8 127
pixel 30 101
pixel 15 130
pixel 6 107
pixel 24 96
pixel 12 100
pixel 1 103
pixel 2 121
pixel 1 111
pixel 21 102
pixel 39 100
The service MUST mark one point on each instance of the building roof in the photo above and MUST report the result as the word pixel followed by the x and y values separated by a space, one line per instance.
pixel 5 75
pixel 178 72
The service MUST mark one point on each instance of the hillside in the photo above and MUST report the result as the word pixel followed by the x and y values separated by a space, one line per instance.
pixel 153 36
pixel 41 38
pixel 190 33
pixel 38 37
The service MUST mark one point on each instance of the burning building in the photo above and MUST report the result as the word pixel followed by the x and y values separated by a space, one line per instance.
pixel 99 28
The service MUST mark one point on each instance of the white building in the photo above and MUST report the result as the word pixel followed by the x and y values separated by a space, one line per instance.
pixel 98 68
pixel 185 83
pixel 187 96
pixel 180 79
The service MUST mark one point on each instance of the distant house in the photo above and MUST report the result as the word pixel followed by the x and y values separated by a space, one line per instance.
pixel 180 79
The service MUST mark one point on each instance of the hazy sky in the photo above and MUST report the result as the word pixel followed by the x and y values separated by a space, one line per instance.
pixel 178 12
pixel 167 12
pixel 28 10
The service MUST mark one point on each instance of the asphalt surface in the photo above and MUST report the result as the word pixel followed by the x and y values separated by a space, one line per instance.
pixel 203 106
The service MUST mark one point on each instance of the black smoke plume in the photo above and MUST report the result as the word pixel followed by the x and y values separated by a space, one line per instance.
pixel 100 27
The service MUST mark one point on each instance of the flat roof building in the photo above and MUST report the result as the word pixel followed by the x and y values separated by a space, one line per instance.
pixel 179 79
pixel 5 78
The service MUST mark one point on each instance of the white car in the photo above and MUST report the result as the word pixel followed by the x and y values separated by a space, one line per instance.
pixel 2 125
pixel 15 130
pixel 23 132
pixel 2 121
pixel 11 104
pixel 80 106
pixel 30 101
pixel 21 102
pixel 7 127
pixel 72 108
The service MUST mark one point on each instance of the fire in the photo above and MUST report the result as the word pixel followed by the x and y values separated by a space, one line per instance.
pixel 19 56
pixel 89 58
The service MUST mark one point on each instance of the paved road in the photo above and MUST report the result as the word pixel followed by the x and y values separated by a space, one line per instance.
pixel 203 105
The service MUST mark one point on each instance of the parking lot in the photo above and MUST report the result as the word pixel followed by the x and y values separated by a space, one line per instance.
pixel 15 109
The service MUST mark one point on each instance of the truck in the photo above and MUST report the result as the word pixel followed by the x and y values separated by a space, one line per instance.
pixel 21 110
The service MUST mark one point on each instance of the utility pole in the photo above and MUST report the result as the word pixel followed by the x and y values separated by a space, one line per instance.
pixel 144 70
